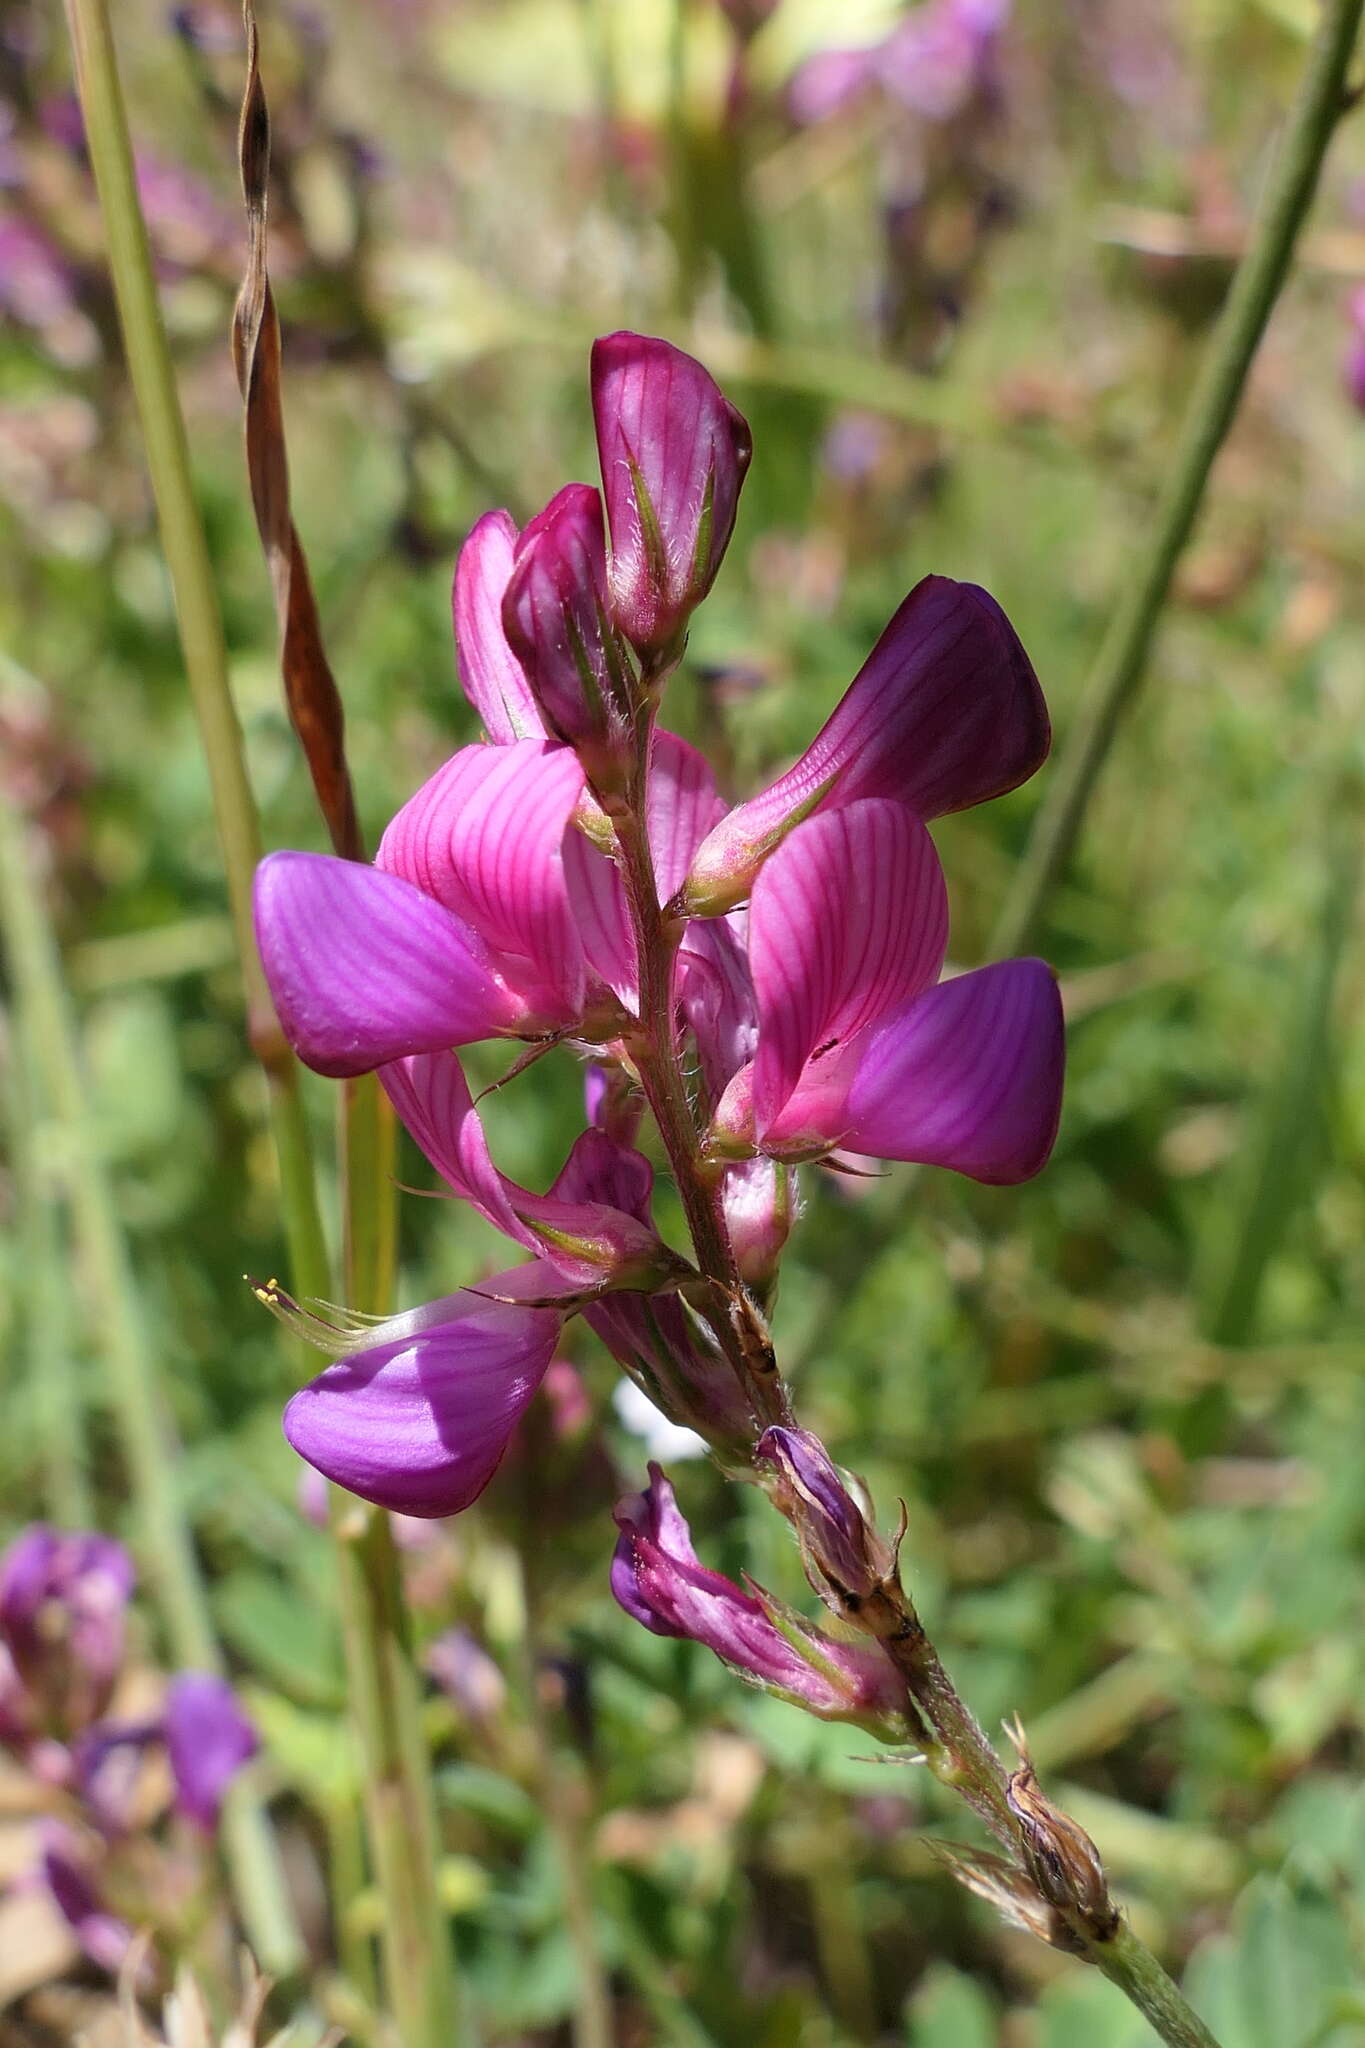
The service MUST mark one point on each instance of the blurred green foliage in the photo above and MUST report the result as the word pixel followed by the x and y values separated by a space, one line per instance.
pixel 1124 1405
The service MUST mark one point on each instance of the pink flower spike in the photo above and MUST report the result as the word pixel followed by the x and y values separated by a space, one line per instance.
pixel 945 713
pixel 490 674
pixel 969 1076
pixel 849 919
pixel 485 837
pixel 363 967
pixel 674 452
pixel 554 613
pixel 418 1420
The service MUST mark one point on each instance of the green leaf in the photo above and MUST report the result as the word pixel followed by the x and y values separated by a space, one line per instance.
pixel 289 1640
pixel 315 1753
pixel 1084 2010
pixel 1273 1981
pixel 951 2011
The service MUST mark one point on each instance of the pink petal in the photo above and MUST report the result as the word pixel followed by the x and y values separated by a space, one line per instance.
pixel 945 713
pixel 849 918
pixel 554 614
pixel 364 968
pixel 969 1076
pixel 681 807
pixel 419 1421
pixel 598 903
pixel 601 1171
pixel 492 677
pixel 431 1095
pixel 667 436
pixel 485 837
pixel 592 1226
pixel 717 995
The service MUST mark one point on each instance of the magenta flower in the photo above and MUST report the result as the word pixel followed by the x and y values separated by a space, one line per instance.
pixel 674 453
pixel 856 1047
pixel 208 1739
pixel 945 713
pixel 659 1581
pixel 467 1675
pixel 845 1559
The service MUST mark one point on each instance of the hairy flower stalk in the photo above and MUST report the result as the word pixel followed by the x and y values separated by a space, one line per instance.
pixel 764 979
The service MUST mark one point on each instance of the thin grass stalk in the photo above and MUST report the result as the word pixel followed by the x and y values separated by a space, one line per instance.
pixel 561 1791
pixel 419 1973
pixel 1292 1116
pixel 45 1300
pixel 198 615
pixel 161 1531
pixel 1122 659
pixel 383 1683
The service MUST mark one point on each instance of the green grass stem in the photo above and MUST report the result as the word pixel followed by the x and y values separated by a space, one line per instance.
pixel 383 1683
pixel 1122 659
pixel 161 1532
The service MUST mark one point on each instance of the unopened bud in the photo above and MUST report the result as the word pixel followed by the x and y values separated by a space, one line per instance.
pixel 759 1200
pixel 1011 1892
pixel 1060 1856
pixel 674 452
pixel 555 616
pixel 846 1560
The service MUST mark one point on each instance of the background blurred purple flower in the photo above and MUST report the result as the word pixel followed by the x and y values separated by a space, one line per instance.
pixel 63 1597
pixel 208 1739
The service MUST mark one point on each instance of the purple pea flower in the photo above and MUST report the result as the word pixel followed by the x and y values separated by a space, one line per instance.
pixel 63 1598
pixel 208 1739
pixel 856 1046
pixel 419 1414
pixel 674 453
pixel 945 713
pixel 659 1581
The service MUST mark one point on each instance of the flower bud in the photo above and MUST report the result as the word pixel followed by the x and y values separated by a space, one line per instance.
pixel 1059 1855
pixel 846 1560
pixel 657 1578
pixel 555 616
pixel 674 452
pixel 758 1198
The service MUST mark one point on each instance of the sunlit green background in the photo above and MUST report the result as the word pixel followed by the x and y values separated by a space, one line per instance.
pixel 1122 1405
